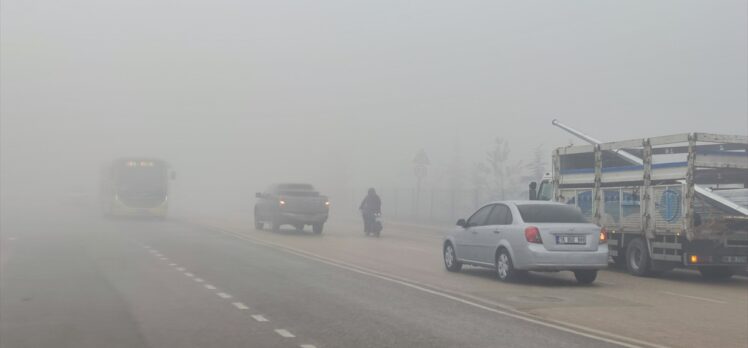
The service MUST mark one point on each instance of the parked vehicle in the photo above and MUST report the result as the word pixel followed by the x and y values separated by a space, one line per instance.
pixel 291 204
pixel 670 201
pixel 519 236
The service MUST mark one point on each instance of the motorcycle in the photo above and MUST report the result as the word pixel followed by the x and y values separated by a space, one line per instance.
pixel 378 226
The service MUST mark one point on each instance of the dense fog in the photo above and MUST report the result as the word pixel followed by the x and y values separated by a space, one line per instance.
pixel 237 95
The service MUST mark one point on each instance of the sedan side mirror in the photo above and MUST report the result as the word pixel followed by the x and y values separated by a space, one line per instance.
pixel 462 223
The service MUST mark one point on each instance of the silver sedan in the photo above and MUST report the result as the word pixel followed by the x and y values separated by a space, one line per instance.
pixel 518 236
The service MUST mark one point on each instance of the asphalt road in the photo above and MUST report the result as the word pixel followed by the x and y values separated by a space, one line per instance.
pixel 78 280
pixel 73 279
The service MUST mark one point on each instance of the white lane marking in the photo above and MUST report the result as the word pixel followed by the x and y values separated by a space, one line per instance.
pixel 240 305
pixel 211 287
pixel 307 346
pixel 181 269
pixel 173 264
pixel 550 323
pixel 199 280
pixel 284 333
pixel 260 318
pixel 164 259
pixel 189 274
pixel 693 297
pixel 223 295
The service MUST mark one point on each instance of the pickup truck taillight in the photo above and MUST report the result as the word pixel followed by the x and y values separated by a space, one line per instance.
pixel 603 236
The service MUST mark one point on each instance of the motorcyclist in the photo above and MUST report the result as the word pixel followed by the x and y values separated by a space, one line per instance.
pixel 370 207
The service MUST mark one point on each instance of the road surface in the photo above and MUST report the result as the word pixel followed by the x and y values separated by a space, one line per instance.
pixel 74 279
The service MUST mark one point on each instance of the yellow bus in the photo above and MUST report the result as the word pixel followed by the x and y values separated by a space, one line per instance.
pixel 135 187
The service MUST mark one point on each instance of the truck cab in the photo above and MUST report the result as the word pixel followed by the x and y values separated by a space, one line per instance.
pixel 542 191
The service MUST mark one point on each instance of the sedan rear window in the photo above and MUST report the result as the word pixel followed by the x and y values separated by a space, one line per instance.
pixel 540 213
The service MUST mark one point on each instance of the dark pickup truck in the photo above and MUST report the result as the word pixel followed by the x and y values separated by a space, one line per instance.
pixel 297 205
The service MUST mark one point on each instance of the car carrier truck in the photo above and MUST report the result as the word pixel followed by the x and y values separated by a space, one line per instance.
pixel 669 201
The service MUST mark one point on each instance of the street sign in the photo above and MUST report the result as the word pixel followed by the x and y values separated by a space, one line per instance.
pixel 421 158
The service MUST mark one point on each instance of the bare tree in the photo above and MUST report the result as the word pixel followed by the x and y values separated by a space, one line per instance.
pixel 497 173
pixel 536 168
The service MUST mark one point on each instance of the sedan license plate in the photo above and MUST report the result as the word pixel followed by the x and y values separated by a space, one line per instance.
pixel 572 239
pixel 735 259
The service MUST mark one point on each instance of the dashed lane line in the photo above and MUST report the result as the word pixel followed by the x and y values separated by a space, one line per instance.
pixel 284 333
pixel 260 318
pixel 240 305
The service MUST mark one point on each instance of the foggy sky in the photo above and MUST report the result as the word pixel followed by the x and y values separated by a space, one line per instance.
pixel 240 94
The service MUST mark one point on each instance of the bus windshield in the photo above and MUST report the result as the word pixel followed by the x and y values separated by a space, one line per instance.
pixel 142 178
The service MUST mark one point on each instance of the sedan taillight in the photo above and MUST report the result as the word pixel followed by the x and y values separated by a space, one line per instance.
pixel 532 234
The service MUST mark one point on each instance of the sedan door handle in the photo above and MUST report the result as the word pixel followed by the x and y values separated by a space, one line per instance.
pixel 496 231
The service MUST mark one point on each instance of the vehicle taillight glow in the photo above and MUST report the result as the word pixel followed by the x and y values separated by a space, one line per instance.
pixel 282 202
pixel 693 259
pixel 532 234
pixel 327 203
pixel 603 236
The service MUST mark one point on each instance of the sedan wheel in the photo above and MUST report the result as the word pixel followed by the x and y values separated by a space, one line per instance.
pixel 585 276
pixel 450 259
pixel 504 267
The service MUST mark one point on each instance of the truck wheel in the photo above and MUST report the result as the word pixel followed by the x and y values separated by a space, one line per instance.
pixel 637 258
pixel 716 272
pixel 450 259
pixel 258 224
pixel 585 276
pixel 299 227
pixel 317 228
pixel 275 225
